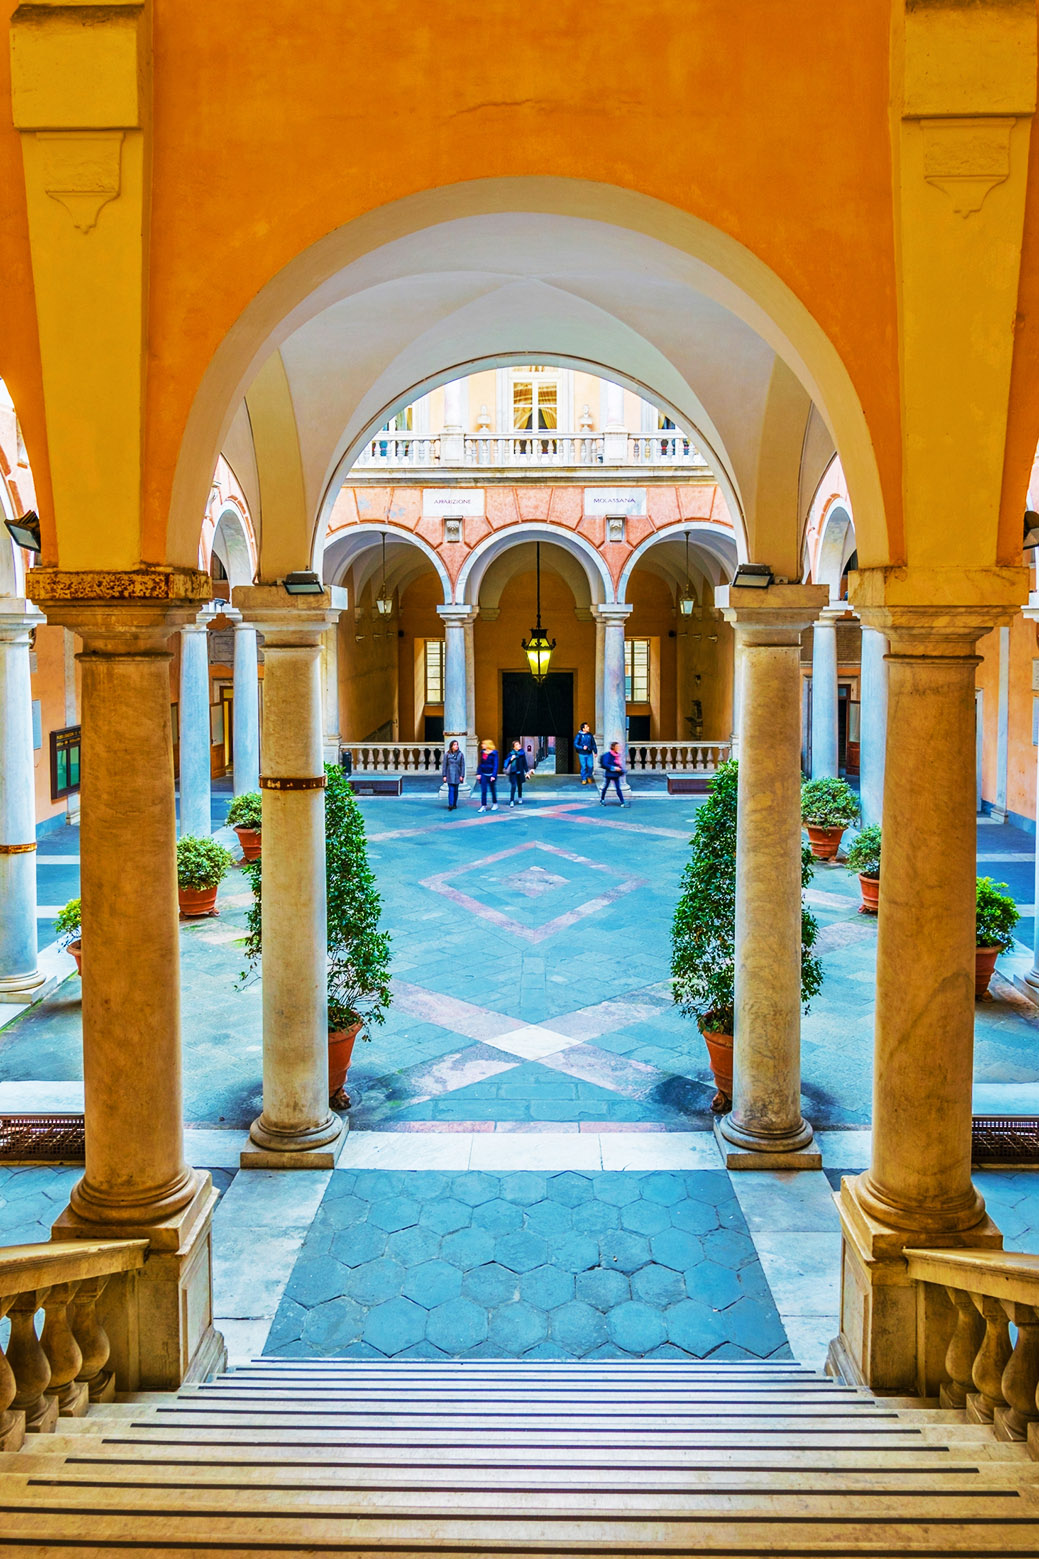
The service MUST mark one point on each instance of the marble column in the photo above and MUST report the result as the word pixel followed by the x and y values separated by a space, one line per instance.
pixel 918 1190
pixel 330 694
pixel 872 724
pixel 614 703
pixel 246 710
pixel 459 721
pixel 195 802
pixel 19 975
pixel 824 693
pixel 600 639
pixel 296 1128
pixel 470 681
pixel 998 810
pixel 136 1182
pixel 766 1129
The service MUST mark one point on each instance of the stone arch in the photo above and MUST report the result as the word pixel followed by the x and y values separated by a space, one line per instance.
pixel 714 551
pixel 710 265
pixel 476 565
pixel 836 545
pixel 344 549
pixel 235 546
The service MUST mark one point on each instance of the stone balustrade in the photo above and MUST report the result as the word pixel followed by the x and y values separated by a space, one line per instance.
pixel 660 757
pixel 968 1301
pixel 58 1372
pixel 523 449
pixel 394 757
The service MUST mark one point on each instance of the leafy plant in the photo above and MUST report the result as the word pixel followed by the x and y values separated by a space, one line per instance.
pixel 66 922
pixel 828 803
pixel 245 811
pixel 864 852
pixel 358 951
pixel 703 933
pixel 201 863
pixel 997 915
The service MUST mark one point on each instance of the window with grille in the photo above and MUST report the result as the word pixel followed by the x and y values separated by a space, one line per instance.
pixel 636 671
pixel 434 671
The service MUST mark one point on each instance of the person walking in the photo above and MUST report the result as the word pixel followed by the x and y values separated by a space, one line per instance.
pixel 487 769
pixel 453 773
pixel 613 768
pixel 585 748
pixel 516 769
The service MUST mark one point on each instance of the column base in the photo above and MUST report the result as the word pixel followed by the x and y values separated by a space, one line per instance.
pixel 159 1320
pixel 43 1418
pixel 318 1148
pixel 12 1430
pixel 894 1333
pixel 741 1150
pixel 25 988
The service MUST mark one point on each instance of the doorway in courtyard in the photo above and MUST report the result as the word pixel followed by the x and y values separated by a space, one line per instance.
pixel 543 711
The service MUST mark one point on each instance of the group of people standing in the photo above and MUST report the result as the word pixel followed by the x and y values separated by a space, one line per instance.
pixel 517 767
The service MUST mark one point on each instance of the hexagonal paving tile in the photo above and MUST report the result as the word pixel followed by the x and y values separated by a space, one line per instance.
pixel 636 1327
pixel 575 1252
pixel 715 1285
pixel 624 1251
pixel 708 1185
pixel 490 1285
pixel 662 1286
pixel 426 1184
pixel 394 1212
pixel 601 1288
pixel 549 1219
pixel 523 1187
pixel 597 1217
pixel 318 1279
pixel 729 1248
pixel 645 1218
pixel 664 1189
pixel 332 1326
pixel 457 1326
pixel 521 1252
pixel 617 1187
pixel 516 1327
pixel 576 1327
pixel 431 1284
pixel 374 1281
pixel 694 1327
pixel 468 1248
pixel 362 1242
pixel 674 1248
pixel 498 1216
pixel 343 1211
pixel 413 1246
pixel 694 1217
pixel 394 1326
pixel 569 1188
pixel 547 1287
pixel 446 1215
pixel 474 1187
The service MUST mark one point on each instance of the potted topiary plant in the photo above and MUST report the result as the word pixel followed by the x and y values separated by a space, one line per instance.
pixel 244 816
pixel 827 807
pixel 67 925
pixel 202 865
pixel 703 935
pixel 996 917
pixel 358 951
pixel 864 857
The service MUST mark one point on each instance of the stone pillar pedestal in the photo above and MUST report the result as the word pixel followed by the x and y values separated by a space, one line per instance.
pixel 872 725
pixel 824 693
pixel 296 1129
pixel 136 1182
pixel 458 626
pixel 766 1129
pixel 20 979
pixel 195 768
pixel 917 1190
pixel 246 710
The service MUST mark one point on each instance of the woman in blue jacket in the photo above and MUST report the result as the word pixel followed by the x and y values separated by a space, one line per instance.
pixel 516 768
pixel 487 769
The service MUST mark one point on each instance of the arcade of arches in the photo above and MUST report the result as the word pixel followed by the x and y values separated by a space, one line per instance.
pixel 437 368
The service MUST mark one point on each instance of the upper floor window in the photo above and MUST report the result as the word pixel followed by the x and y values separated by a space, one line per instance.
pixel 434 671
pixel 535 401
pixel 636 671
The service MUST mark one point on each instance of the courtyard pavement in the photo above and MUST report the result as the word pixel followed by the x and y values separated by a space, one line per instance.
pixel 529 1169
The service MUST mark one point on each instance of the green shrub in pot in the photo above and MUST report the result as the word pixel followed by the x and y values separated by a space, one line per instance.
pixel 864 852
pixel 245 811
pixel 996 916
pixel 828 803
pixel 201 862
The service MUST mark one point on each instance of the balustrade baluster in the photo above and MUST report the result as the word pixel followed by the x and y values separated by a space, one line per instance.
pixel 92 1340
pixel 962 1350
pixel 990 1362
pixel 29 1362
pixel 1021 1376
pixel 63 1353
pixel 12 1420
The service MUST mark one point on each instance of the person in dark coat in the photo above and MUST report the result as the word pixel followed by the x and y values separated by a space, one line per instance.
pixel 585 748
pixel 487 769
pixel 613 768
pixel 453 773
pixel 516 768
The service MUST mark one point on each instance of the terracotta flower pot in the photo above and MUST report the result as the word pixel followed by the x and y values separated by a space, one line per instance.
pixel 870 895
pixel 719 1048
pixel 197 901
pixel 825 842
pixel 984 968
pixel 249 839
pixel 340 1052
pixel 76 949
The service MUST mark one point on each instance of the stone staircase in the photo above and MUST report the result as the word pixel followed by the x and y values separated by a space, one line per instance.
pixel 341 1456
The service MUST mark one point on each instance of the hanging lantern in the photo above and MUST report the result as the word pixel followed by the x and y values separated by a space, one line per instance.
pixel 538 648
pixel 384 600
pixel 686 598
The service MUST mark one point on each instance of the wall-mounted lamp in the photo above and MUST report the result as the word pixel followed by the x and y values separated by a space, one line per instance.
pixel 303 582
pixel 25 532
pixel 753 576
